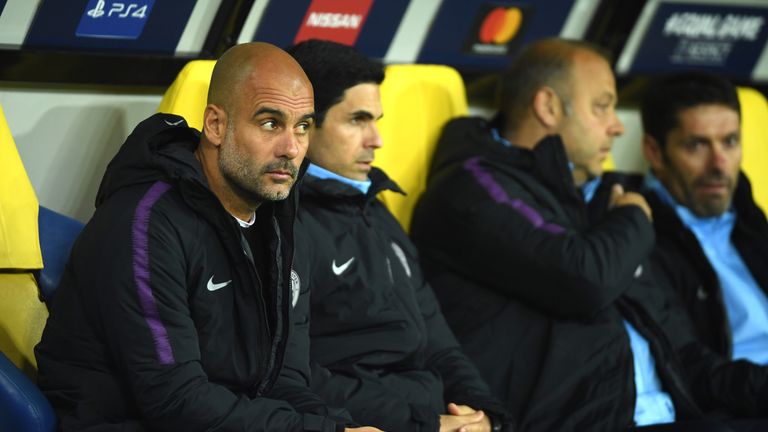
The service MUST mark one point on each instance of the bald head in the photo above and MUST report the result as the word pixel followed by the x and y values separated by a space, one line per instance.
pixel 255 61
pixel 546 63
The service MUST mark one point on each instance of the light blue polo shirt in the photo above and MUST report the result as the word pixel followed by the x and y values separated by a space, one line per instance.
pixel 319 172
pixel 746 304
pixel 653 405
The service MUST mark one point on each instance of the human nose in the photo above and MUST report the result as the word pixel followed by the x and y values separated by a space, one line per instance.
pixel 289 146
pixel 719 157
pixel 373 140
pixel 617 127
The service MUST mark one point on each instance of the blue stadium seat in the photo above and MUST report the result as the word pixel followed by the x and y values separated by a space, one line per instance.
pixel 57 235
pixel 22 405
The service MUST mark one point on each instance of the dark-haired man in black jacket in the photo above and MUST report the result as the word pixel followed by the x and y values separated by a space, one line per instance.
pixel 176 307
pixel 711 237
pixel 380 346
pixel 540 263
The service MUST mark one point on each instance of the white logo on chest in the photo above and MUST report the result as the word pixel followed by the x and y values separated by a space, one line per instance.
pixel 401 256
pixel 338 270
pixel 295 287
pixel 216 286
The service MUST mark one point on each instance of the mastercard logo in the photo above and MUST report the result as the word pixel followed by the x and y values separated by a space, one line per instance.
pixel 500 25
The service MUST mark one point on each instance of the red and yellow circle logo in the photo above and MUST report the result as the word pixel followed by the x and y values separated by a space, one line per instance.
pixel 500 25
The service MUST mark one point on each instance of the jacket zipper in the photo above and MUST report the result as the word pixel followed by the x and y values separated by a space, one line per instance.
pixel 276 354
pixel 265 330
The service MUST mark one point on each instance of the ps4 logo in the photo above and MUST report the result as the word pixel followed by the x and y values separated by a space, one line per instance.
pixel 107 19
pixel 119 9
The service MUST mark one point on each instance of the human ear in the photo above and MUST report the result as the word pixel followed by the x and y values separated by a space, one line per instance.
pixel 546 107
pixel 214 124
pixel 653 152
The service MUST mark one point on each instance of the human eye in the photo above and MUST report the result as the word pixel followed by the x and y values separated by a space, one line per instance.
pixel 602 108
pixel 361 118
pixel 695 144
pixel 269 125
pixel 303 128
pixel 733 140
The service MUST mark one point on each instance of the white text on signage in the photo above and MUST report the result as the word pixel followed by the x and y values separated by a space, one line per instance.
pixel 714 26
pixel 120 10
pixel 334 20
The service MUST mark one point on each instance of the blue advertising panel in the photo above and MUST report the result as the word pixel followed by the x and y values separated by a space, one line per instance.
pixel 726 39
pixel 482 34
pixel 140 26
pixel 120 21
pixel 369 25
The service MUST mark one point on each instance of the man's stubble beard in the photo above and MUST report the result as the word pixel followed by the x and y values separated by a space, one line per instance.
pixel 245 181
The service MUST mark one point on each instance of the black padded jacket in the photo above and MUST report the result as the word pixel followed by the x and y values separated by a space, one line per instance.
pixel 162 321
pixel 380 346
pixel 684 267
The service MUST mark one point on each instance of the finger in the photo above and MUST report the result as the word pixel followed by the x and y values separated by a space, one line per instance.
pixel 473 417
pixel 483 425
pixel 617 191
pixel 475 427
pixel 459 409
pixel 453 409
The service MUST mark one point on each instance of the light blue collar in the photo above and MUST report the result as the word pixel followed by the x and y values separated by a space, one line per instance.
pixel 499 139
pixel 322 173
pixel 589 187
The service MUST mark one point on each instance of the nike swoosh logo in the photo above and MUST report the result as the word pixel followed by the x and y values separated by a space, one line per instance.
pixel 337 270
pixel 173 123
pixel 216 286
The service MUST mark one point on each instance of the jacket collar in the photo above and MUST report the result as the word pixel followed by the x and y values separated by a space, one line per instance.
pixel 314 186
pixel 547 162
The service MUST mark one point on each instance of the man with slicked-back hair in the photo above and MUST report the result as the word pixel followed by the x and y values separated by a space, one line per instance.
pixel 176 310
pixel 540 261
pixel 380 346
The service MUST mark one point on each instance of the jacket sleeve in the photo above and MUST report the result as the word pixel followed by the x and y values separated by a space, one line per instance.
pixel 144 313
pixel 716 383
pixel 462 381
pixel 374 402
pixel 739 386
pixel 500 238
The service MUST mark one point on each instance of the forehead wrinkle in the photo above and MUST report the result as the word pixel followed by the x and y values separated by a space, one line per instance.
pixel 281 98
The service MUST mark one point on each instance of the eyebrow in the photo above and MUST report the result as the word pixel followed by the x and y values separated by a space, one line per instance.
pixel 707 138
pixel 273 111
pixel 610 95
pixel 309 116
pixel 364 113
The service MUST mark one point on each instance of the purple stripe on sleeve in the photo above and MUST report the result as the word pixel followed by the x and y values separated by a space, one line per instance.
pixel 499 195
pixel 140 245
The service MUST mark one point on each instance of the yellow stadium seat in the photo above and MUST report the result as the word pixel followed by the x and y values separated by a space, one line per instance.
pixel 19 245
pixel 22 314
pixel 188 93
pixel 754 139
pixel 417 101
pixel 22 319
